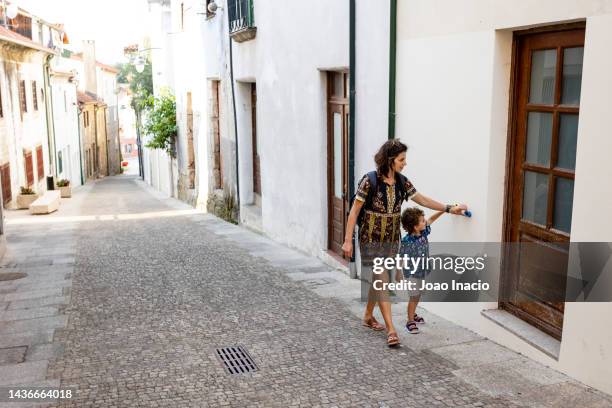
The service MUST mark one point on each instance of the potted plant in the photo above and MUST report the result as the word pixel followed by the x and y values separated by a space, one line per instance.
pixel 26 197
pixel 64 186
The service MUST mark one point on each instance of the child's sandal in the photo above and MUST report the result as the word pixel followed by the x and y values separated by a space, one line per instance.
pixel 418 319
pixel 412 327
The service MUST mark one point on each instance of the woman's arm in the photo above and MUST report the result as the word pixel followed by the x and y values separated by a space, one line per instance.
pixel 425 201
pixel 347 247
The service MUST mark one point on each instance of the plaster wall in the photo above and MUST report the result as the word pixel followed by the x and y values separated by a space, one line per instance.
pixel 453 103
pixel 286 60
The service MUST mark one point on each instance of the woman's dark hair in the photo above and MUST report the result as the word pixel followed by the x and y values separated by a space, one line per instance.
pixel 410 218
pixel 387 153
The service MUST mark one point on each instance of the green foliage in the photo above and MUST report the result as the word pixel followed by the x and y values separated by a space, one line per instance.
pixel 63 183
pixel 141 84
pixel 161 122
pixel 27 191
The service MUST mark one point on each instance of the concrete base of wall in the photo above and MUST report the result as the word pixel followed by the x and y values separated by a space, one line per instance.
pixel 223 206
pixel 186 194
pixel 2 246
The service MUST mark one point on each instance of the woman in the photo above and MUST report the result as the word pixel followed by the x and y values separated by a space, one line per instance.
pixel 381 195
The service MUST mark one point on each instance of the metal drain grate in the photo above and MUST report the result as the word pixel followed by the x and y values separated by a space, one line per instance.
pixel 236 360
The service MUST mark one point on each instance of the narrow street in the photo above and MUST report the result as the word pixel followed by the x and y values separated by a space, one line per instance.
pixel 127 296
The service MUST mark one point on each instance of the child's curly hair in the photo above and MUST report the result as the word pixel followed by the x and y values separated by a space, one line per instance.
pixel 410 218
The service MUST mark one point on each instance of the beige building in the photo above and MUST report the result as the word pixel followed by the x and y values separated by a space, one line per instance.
pixel 92 121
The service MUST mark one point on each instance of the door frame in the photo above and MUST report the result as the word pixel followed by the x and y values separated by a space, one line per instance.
pixel 506 276
pixel 343 102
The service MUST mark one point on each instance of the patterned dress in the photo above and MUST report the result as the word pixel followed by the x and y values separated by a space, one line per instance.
pixel 380 229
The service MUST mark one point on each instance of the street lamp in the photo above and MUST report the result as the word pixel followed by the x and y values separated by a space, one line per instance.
pixel 140 65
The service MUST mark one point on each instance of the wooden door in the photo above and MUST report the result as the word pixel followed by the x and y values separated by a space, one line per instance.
pixel 337 159
pixel 5 176
pixel 548 74
pixel 256 162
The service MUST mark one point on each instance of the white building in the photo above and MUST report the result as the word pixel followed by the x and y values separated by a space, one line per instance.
pixel 24 134
pixel 487 101
pixel 459 105
pixel 160 169
pixel 66 126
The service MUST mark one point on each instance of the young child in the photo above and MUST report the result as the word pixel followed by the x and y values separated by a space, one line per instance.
pixel 415 244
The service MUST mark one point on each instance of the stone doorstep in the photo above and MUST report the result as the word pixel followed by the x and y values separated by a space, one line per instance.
pixel 39 302
pixel 33 294
pixel 25 314
pixel 33 285
pixel 33 325
pixel 23 373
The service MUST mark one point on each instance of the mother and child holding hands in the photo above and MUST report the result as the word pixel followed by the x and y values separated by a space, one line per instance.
pixel 377 211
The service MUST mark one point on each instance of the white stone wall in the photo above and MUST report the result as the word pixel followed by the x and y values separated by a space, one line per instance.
pixel 452 110
pixel 158 164
pixel 66 125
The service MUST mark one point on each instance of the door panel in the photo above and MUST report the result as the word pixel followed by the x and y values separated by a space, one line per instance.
pixel 337 160
pixel 540 184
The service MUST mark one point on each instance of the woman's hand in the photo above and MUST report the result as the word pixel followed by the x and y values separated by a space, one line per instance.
pixel 458 209
pixel 347 248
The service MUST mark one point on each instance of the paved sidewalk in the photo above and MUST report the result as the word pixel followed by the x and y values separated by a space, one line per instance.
pixel 128 295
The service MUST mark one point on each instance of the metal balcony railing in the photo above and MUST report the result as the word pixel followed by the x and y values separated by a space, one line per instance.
pixel 241 15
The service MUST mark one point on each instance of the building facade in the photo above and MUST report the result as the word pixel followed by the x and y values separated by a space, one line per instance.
pixel 504 110
pixel 24 141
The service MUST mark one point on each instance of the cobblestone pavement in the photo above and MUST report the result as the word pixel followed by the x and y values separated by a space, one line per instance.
pixel 153 296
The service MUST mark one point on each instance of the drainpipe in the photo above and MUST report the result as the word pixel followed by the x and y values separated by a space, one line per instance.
pixel 107 140
pixel 235 115
pixel 352 114
pixel 49 115
pixel 78 112
pixel 392 65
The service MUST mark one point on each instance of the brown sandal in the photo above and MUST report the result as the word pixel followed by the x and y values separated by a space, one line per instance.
pixel 392 339
pixel 373 324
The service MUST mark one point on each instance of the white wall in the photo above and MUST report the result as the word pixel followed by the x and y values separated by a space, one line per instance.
pixel 66 125
pixel 452 104
pixel 158 164
pixel 17 133
pixel 285 60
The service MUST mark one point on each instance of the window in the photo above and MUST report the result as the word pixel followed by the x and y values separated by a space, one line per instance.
pixel 21 25
pixel 241 19
pixel 5 174
pixel 29 168
pixel 86 119
pixel 34 96
pixel 22 97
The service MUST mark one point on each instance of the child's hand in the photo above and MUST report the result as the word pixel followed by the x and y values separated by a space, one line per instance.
pixel 458 209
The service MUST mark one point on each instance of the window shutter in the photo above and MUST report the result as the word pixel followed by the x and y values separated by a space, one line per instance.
pixel 39 162
pixel 29 168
